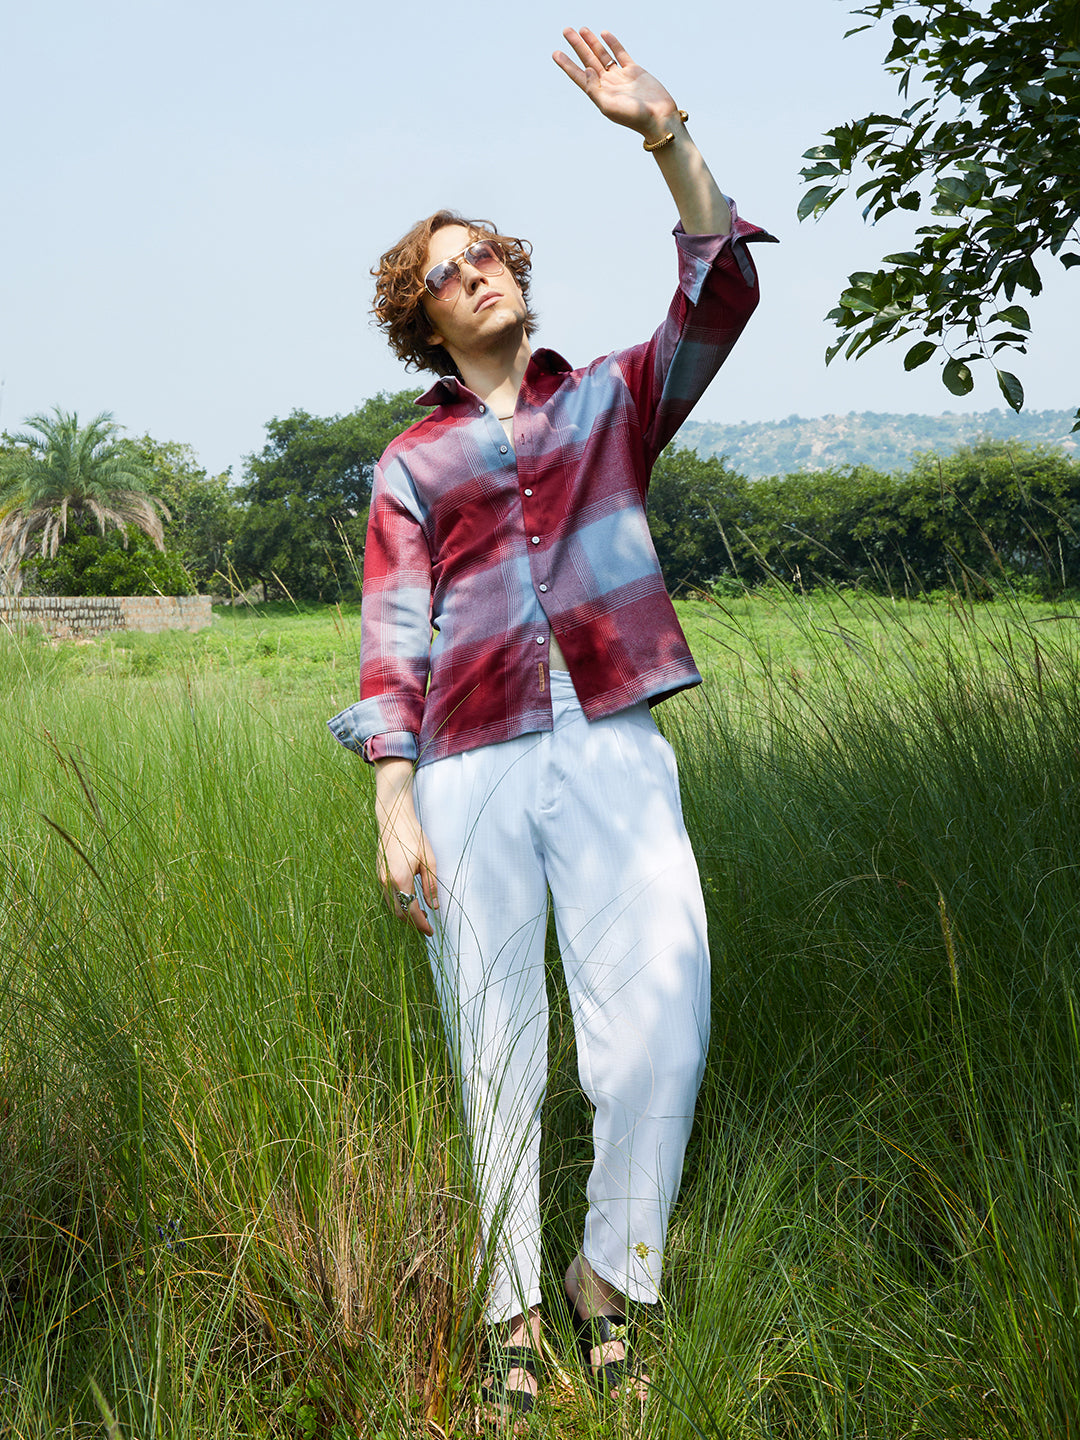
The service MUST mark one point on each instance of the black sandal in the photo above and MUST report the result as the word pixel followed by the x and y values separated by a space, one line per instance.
pixel 513 1404
pixel 597 1330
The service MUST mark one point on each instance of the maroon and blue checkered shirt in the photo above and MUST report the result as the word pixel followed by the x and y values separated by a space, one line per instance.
pixel 477 553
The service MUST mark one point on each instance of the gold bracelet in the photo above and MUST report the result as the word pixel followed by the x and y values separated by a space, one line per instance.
pixel 652 145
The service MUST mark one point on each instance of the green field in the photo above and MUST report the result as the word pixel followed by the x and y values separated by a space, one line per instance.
pixel 234 1199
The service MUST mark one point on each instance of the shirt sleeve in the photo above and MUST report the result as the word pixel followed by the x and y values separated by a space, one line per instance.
pixel 395 624
pixel 717 294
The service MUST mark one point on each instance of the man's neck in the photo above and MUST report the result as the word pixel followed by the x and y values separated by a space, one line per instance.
pixel 496 375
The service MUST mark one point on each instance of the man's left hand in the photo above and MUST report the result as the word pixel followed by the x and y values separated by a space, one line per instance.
pixel 621 90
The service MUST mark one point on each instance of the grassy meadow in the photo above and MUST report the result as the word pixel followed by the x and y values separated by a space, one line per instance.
pixel 234 1199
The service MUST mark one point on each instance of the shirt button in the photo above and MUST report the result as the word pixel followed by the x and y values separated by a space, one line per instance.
pixel 482 409
pixel 536 539
pixel 539 639
pixel 502 449
pixel 528 492
pixel 543 588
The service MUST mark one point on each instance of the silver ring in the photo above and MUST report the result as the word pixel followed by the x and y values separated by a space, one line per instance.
pixel 404 900
pixel 609 64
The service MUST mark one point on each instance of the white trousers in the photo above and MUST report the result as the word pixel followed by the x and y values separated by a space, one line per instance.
pixel 590 811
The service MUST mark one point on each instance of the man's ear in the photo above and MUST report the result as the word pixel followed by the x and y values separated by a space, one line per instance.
pixel 436 339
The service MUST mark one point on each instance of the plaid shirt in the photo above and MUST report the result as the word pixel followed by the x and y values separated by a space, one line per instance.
pixel 477 553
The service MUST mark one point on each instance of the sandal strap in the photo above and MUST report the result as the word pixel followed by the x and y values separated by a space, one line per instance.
pixel 502 1359
pixel 596 1330
pixel 513 1357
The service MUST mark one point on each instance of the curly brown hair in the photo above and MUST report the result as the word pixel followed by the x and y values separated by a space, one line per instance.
pixel 399 289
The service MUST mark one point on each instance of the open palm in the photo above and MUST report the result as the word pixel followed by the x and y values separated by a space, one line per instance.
pixel 621 89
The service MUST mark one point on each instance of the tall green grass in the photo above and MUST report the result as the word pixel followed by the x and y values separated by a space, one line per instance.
pixel 234 1197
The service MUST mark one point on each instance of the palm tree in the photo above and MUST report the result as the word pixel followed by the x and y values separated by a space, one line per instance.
pixel 59 470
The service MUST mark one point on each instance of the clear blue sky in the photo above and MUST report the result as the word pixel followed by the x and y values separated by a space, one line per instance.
pixel 195 190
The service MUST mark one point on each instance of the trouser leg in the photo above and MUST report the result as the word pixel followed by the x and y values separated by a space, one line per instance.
pixel 487 958
pixel 631 922
pixel 593 809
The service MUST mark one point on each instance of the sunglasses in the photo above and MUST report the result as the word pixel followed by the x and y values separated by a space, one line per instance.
pixel 443 280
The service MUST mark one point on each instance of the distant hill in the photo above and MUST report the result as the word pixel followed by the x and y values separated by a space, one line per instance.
pixel 885 442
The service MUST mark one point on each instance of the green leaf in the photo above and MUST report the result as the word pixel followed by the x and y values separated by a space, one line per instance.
pixel 954 186
pixel 819 171
pixel 1014 315
pixel 1011 389
pixel 859 300
pixel 919 354
pixel 904 26
pixel 957 378
pixel 832 351
pixel 812 199
pixel 1070 260
pixel 1008 337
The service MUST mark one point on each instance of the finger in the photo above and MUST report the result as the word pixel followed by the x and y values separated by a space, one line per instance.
pixel 400 898
pixel 417 919
pixel 598 48
pixel 583 50
pixel 429 882
pixel 567 66
pixel 617 48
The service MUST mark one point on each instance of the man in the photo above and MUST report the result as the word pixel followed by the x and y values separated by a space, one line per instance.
pixel 515 630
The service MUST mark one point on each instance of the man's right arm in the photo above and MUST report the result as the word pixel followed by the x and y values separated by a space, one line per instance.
pixel 404 853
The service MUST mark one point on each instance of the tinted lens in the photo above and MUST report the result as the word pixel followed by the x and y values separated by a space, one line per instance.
pixel 442 279
pixel 485 256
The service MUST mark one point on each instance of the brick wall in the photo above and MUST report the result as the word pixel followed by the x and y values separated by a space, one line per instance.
pixel 63 616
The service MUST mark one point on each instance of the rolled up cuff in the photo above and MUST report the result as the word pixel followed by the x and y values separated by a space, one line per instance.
pixel 392 744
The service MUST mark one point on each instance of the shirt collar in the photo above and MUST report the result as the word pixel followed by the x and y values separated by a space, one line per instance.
pixel 448 389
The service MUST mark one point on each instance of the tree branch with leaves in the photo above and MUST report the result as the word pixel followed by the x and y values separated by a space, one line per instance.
pixel 989 142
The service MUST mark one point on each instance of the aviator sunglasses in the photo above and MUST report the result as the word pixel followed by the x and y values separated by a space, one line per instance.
pixel 443 280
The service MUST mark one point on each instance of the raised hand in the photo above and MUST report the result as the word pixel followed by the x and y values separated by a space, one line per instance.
pixel 630 96
pixel 620 89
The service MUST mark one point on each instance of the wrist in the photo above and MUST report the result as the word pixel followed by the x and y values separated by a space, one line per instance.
pixel 660 122
pixel 664 130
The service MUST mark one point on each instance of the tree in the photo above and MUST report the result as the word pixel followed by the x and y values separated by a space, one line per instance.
pixel 58 470
pixel 1004 512
pixel 990 141
pixel 992 515
pixel 204 509
pixel 805 527
pixel 693 503
pixel 306 497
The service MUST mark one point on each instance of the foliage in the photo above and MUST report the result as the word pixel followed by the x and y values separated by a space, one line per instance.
pixel 113 564
pixel 1011 514
pixel 692 502
pixel 306 495
pixel 203 508
pixel 991 515
pixel 990 141
pixel 59 469
pixel 805 527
